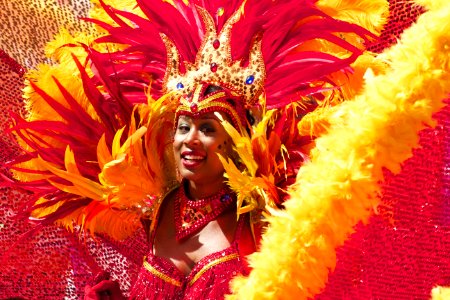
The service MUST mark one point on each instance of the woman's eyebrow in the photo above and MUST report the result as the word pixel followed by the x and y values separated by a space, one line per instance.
pixel 209 118
pixel 184 119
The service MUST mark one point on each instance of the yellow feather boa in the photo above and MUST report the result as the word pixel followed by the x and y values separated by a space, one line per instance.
pixel 340 186
pixel 440 293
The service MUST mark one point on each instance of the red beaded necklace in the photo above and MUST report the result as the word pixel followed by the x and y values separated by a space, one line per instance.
pixel 192 215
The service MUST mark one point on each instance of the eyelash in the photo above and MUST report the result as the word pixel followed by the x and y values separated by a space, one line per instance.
pixel 207 129
pixel 183 128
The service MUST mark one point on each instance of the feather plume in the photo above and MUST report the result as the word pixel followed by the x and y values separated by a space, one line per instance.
pixel 370 14
pixel 340 185
pixel 254 185
pixel 131 177
pixel 287 27
pixel 440 293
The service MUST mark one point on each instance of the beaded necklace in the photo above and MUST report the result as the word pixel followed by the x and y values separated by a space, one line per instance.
pixel 192 215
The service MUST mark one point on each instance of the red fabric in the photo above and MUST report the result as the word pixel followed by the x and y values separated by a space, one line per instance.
pixel 401 254
pixel 209 278
pixel 103 288
pixel 213 282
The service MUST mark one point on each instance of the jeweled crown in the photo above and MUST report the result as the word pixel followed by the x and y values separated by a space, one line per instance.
pixel 214 64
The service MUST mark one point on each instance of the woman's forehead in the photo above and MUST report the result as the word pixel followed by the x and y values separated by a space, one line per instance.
pixel 206 116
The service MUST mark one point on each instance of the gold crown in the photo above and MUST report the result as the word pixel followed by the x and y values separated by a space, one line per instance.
pixel 214 65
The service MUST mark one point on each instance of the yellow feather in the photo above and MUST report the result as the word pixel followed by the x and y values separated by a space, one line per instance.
pixel 69 162
pixel 440 293
pixel 56 49
pixel 82 186
pixel 98 13
pixel 42 212
pixel 67 73
pixel 115 149
pixel 339 187
pixel 315 123
pixel 370 14
pixel 353 84
pixel 254 193
pixel 135 136
pixel 103 154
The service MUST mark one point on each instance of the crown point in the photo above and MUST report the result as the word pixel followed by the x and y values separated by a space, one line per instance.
pixel 213 67
pixel 194 107
pixel 250 79
pixel 180 86
pixel 216 44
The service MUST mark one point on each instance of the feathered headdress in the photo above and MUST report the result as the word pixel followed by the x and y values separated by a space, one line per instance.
pixel 97 152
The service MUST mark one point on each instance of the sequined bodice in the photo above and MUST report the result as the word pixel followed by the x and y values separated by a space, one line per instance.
pixel 209 279
pixel 159 278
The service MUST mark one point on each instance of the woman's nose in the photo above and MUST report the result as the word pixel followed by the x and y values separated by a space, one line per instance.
pixel 192 137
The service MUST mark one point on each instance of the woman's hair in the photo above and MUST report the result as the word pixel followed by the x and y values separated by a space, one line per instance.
pixel 214 88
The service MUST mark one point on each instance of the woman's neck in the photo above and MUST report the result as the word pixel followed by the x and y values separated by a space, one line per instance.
pixel 197 191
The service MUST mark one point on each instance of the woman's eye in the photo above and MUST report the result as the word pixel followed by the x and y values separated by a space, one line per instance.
pixel 183 128
pixel 207 129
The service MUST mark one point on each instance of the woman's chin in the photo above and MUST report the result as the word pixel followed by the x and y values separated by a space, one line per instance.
pixel 199 177
pixel 190 175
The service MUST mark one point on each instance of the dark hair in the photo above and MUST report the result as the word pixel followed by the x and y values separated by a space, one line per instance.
pixel 214 88
pixel 211 89
pixel 250 118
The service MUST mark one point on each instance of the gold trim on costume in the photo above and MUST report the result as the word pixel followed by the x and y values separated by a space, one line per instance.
pixel 161 275
pixel 212 264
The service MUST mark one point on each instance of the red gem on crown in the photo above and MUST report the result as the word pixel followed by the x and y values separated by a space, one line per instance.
pixel 214 67
pixel 194 107
pixel 216 44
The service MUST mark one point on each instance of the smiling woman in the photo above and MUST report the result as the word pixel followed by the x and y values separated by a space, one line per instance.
pixel 198 245
pixel 197 234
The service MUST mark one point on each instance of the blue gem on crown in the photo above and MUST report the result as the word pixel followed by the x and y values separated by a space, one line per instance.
pixel 250 79
pixel 180 86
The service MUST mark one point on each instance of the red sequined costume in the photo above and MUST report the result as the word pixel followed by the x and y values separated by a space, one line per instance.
pixel 210 278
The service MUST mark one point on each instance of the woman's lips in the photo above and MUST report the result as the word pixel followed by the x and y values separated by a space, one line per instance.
pixel 191 160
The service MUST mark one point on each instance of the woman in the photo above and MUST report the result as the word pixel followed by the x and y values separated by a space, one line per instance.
pixel 196 242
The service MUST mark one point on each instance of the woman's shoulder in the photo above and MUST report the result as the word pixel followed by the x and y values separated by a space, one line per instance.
pixel 159 203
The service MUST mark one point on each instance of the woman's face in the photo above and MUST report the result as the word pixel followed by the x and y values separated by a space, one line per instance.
pixel 197 142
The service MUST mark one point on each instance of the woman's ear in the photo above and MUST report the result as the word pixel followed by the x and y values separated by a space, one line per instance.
pixel 231 153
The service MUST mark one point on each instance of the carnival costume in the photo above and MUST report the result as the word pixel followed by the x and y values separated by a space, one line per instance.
pixel 97 149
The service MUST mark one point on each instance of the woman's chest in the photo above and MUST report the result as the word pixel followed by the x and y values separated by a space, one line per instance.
pixel 215 236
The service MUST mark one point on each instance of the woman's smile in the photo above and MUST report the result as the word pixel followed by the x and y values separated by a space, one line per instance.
pixel 192 159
